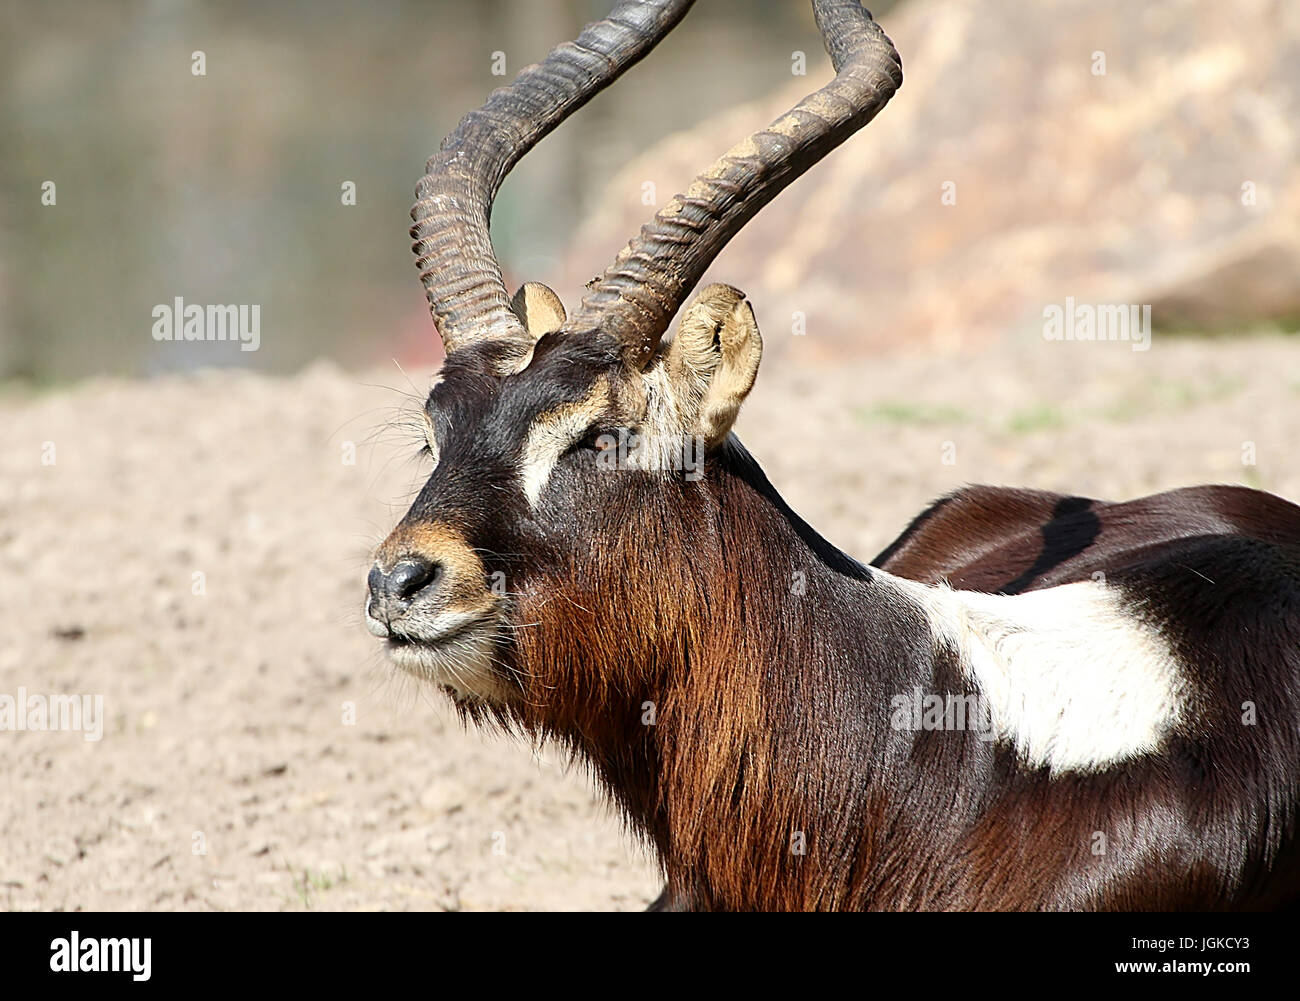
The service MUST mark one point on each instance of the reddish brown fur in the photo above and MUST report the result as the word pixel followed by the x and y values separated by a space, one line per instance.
pixel 771 709
pixel 764 728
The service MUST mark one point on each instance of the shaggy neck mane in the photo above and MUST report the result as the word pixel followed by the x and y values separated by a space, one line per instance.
pixel 685 686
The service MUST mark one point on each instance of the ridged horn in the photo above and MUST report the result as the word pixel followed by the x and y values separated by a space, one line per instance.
pixel 462 279
pixel 637 296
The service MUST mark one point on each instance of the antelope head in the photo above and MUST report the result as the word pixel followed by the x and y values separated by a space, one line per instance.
pixel 563 542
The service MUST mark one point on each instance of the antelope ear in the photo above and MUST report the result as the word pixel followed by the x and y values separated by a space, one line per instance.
pixel 538 308
pixel 713 360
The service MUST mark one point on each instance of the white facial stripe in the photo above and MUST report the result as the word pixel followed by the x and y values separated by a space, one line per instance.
pixel 548 439
pixel 1073 679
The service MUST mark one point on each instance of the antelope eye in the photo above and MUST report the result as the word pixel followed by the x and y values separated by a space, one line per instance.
pixel 598 440
pixel 428 446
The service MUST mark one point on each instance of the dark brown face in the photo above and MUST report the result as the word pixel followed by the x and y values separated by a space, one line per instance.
pixel 546 462
pixel 524 475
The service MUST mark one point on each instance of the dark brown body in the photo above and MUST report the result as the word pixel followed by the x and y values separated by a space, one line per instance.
pixel 1027 829
pixel 1005 541
pixel 727 673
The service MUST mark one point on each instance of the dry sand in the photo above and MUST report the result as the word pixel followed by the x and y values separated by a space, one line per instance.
pixel 226 714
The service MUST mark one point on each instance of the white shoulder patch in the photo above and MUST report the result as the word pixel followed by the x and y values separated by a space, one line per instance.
pixel 1073 679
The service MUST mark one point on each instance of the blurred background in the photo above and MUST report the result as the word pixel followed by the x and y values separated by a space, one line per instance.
pixel 1094 149
pixel 227 187
pixel 185 527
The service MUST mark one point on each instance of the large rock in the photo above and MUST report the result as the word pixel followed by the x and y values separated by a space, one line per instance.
pixel 1108 151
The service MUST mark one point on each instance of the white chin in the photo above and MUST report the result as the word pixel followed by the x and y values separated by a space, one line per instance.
pixel 464 663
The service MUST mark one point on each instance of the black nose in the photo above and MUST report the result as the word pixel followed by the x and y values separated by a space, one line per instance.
pixel 392 591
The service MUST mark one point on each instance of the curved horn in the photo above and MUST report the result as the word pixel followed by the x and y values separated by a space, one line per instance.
pixel 461 276
pixel 650 278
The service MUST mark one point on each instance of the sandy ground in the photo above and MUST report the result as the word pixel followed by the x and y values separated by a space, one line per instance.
pixel 256 753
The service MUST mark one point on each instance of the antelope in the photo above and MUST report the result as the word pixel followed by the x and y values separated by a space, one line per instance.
pixel 1134 667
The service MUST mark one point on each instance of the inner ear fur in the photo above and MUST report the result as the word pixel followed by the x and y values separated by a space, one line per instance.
pixel 539 309
pixel 713 360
